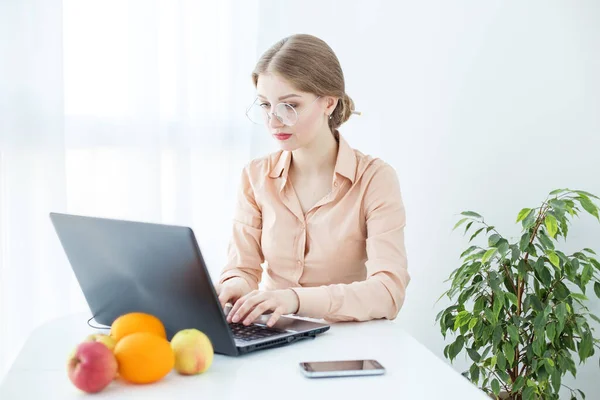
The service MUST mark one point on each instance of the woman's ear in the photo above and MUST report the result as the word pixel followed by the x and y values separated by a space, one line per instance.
pixel 331 103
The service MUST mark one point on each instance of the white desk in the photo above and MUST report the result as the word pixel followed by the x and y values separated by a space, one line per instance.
pixel 413 372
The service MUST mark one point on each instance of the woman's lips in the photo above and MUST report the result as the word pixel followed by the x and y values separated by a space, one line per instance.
pixel 282 136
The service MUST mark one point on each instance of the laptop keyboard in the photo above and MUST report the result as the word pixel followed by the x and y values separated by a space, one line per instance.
pixel 253 332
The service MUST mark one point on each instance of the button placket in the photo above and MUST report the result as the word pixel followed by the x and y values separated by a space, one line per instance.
pixel 300 262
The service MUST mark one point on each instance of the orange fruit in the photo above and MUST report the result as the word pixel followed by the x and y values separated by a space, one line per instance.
pixel 144 357
pixel 136 322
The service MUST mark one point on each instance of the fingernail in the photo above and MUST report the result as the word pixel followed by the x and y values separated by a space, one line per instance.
pixel 236 318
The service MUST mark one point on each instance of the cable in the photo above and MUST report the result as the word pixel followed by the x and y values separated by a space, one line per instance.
pixel 96 327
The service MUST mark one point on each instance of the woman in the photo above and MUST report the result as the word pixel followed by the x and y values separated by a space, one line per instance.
pixel 325 221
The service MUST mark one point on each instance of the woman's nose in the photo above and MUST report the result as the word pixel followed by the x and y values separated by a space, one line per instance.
pixel 274 121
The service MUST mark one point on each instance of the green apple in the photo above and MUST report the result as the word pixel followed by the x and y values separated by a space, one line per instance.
pixel 106 340
pixel 193 350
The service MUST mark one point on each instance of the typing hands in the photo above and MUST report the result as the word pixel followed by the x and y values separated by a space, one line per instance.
pixel 249 306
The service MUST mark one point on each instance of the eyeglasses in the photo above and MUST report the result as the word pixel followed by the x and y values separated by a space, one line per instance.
pixel 285 113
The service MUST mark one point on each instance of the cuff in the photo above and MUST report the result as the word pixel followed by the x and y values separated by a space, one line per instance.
pixel 315 302
pixel 241 275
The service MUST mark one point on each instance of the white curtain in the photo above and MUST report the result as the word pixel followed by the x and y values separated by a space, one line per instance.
pixel 122 109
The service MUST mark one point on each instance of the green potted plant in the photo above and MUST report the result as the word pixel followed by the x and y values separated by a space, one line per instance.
pixel 518 307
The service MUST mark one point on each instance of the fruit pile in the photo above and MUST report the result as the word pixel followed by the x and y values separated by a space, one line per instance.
pixel 137 351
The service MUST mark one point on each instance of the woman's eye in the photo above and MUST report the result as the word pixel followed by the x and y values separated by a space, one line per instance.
pixel 263 105
pixel 293 105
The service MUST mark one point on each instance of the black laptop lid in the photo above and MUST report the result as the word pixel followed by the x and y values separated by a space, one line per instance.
pixel 125 266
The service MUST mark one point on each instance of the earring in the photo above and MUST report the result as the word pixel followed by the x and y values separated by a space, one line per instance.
pixel 330 115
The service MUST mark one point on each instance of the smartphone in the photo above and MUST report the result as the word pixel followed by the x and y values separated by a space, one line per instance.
pixel 327 369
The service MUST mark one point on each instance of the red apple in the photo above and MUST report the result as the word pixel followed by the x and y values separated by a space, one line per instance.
pixel 92 366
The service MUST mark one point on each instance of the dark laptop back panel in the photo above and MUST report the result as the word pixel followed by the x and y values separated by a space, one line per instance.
pixel 125 266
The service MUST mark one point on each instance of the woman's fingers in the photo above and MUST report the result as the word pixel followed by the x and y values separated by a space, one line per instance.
pixel 275 316
pixel 259 310
pixel 242 305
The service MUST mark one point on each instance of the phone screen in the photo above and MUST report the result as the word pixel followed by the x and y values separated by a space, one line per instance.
pixel 349 365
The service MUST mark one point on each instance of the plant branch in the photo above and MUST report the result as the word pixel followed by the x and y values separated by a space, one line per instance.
pixel 521 282
pixel 499 379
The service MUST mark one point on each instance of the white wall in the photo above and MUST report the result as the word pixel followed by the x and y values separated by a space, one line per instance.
pixel 478 105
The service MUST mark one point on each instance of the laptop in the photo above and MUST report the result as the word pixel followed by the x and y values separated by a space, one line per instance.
pixel 126 266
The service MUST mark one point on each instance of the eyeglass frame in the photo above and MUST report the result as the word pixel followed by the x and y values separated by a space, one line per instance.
pixel 275 114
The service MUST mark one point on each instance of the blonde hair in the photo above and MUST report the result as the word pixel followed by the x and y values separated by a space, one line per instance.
pixel 311 66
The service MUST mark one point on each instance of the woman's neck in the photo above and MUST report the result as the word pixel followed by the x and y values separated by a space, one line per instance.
pixel 318 157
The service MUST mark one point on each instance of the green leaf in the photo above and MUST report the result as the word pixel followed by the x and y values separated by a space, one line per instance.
pixel 515 253
pixel 513 299
pixel 474 371
pixel 551 225
pixel 477 232
pixel 561 291
pixel 558 204
pixel 597 289
pixel 514 334
pixel 468 227
pixel 459 223
pixel 589 251
pixel 522 214
pixel 509 352
pixel 554 259
pixel 524 242
pixel 488 254
pixel 556 380
pixel 522 269
pixel 595 318
pixel 586 275
pixel 490 316
pixel 519 383
pixel 496 387
pixel 536 304
pixel 468 251
pixel 474 355
pixel 471 214
pixel 578 296
pixel 545 240
pixel 502 246
pixel 557 191
pixel 529 220
pixel 497 336
pixel 571 268
pixel 561 312
pixel 472 323
pixel 528 393
pixel 462 318
pixel 588 206
pixel 583 193
pixel 456 347
pixel 498 303
pixel 478 305
pixel 585 346
pixel 551 331
pixel 539 346
pixel 493 239
pixel 501 360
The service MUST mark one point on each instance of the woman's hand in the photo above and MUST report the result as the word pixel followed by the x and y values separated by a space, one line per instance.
pixel 256 303
pixel 232 290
